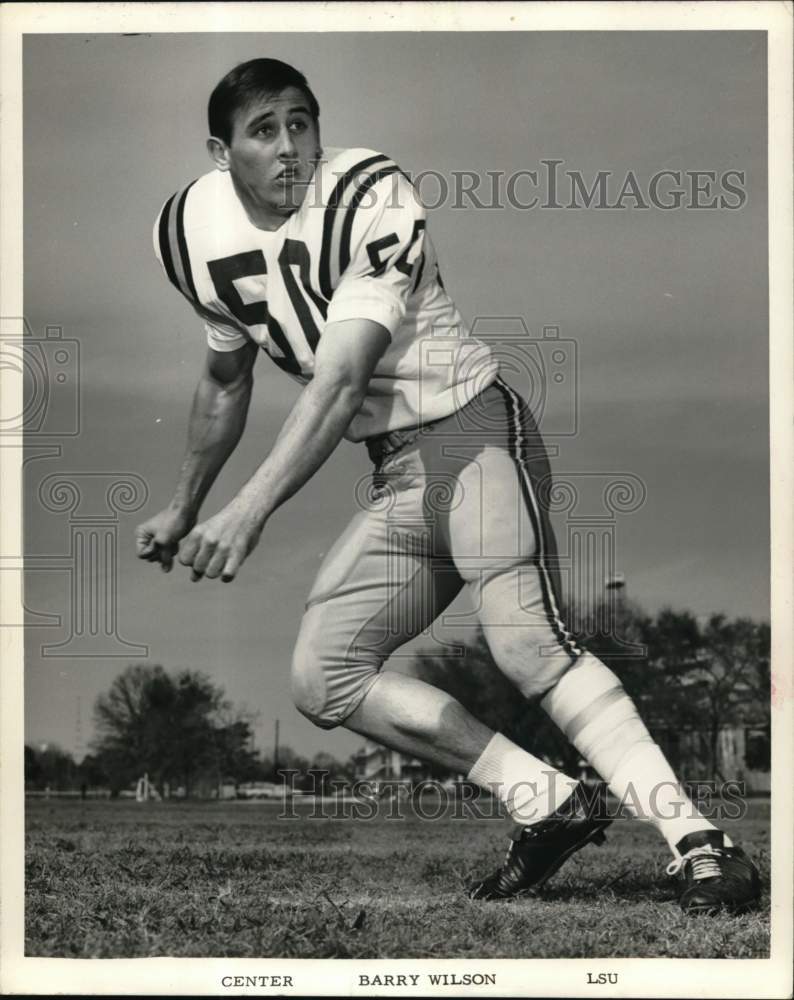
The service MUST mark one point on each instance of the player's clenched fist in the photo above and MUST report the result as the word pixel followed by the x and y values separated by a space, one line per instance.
pixel 218 546
pixel 157 540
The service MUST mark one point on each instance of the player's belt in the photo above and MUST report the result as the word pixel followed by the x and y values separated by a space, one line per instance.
pixel 385 445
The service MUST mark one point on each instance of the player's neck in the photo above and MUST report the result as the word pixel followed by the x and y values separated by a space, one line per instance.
pixel 264 215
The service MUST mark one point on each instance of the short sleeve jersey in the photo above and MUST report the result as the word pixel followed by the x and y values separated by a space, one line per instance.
pixel 357 248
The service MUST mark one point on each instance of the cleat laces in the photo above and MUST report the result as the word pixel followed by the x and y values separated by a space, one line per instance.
pixel 703 861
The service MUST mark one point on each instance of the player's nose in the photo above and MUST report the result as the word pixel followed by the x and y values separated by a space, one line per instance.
pixel 287 150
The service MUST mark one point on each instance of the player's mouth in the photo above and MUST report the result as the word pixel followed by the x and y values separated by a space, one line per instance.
pixel 289 175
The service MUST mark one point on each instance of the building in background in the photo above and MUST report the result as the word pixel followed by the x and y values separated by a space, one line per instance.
pixel 373 762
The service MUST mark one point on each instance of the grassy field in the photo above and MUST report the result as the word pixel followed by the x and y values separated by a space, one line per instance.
pixel 119 879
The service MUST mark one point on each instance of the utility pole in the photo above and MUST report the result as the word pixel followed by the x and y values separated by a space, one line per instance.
pixel 79 750
pixel 275 749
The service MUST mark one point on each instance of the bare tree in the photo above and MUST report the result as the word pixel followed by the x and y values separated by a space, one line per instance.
pixel 729 676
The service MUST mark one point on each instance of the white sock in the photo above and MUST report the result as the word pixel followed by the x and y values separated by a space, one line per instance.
pixel 530 788
pixel 658 796
pixel 598 717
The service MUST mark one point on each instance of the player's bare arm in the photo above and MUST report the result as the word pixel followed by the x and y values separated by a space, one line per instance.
pixel 345 360
pixel 217 419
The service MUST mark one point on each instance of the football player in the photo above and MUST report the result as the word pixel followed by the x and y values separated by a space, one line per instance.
pixel 323 260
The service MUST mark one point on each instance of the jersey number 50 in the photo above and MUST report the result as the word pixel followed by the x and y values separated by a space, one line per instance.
pixel 251 263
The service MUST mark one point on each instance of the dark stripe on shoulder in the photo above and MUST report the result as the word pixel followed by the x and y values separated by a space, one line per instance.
pixel 184 254
pixel 347 226
pixel 173 252
pixel 330 215
pixel 165 244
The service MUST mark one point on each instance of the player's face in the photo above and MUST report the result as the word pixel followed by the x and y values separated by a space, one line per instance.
pixel 273 150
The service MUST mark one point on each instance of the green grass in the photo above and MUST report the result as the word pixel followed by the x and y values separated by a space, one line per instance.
pixel 119 879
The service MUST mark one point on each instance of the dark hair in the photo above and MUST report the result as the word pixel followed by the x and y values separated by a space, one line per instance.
pixel 248 82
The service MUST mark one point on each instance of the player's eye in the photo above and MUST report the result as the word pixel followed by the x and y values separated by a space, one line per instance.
pixel 298 126
pixel 265 130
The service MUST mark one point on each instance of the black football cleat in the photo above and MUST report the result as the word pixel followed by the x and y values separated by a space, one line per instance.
pixel 538 851
pixel 716 877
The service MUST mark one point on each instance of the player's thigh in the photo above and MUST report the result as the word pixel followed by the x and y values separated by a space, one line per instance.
pixel 503 546
pixel 378 588
pixel 488 477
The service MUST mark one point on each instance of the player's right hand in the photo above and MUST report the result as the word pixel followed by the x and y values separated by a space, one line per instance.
pixel 157 540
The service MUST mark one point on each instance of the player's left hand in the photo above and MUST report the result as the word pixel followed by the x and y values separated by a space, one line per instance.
pixel 218 546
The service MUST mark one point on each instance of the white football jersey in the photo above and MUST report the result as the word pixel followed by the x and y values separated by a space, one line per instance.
pixel 357 248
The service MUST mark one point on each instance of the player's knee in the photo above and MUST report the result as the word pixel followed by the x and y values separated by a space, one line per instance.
pixel 328 684
pixel 308 703
pixel 535 664
pixel 309 691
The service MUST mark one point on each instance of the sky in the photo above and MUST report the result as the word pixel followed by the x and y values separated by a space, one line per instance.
pixel 665 312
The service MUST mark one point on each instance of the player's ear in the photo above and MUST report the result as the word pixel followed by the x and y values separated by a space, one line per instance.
pixel 219 152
